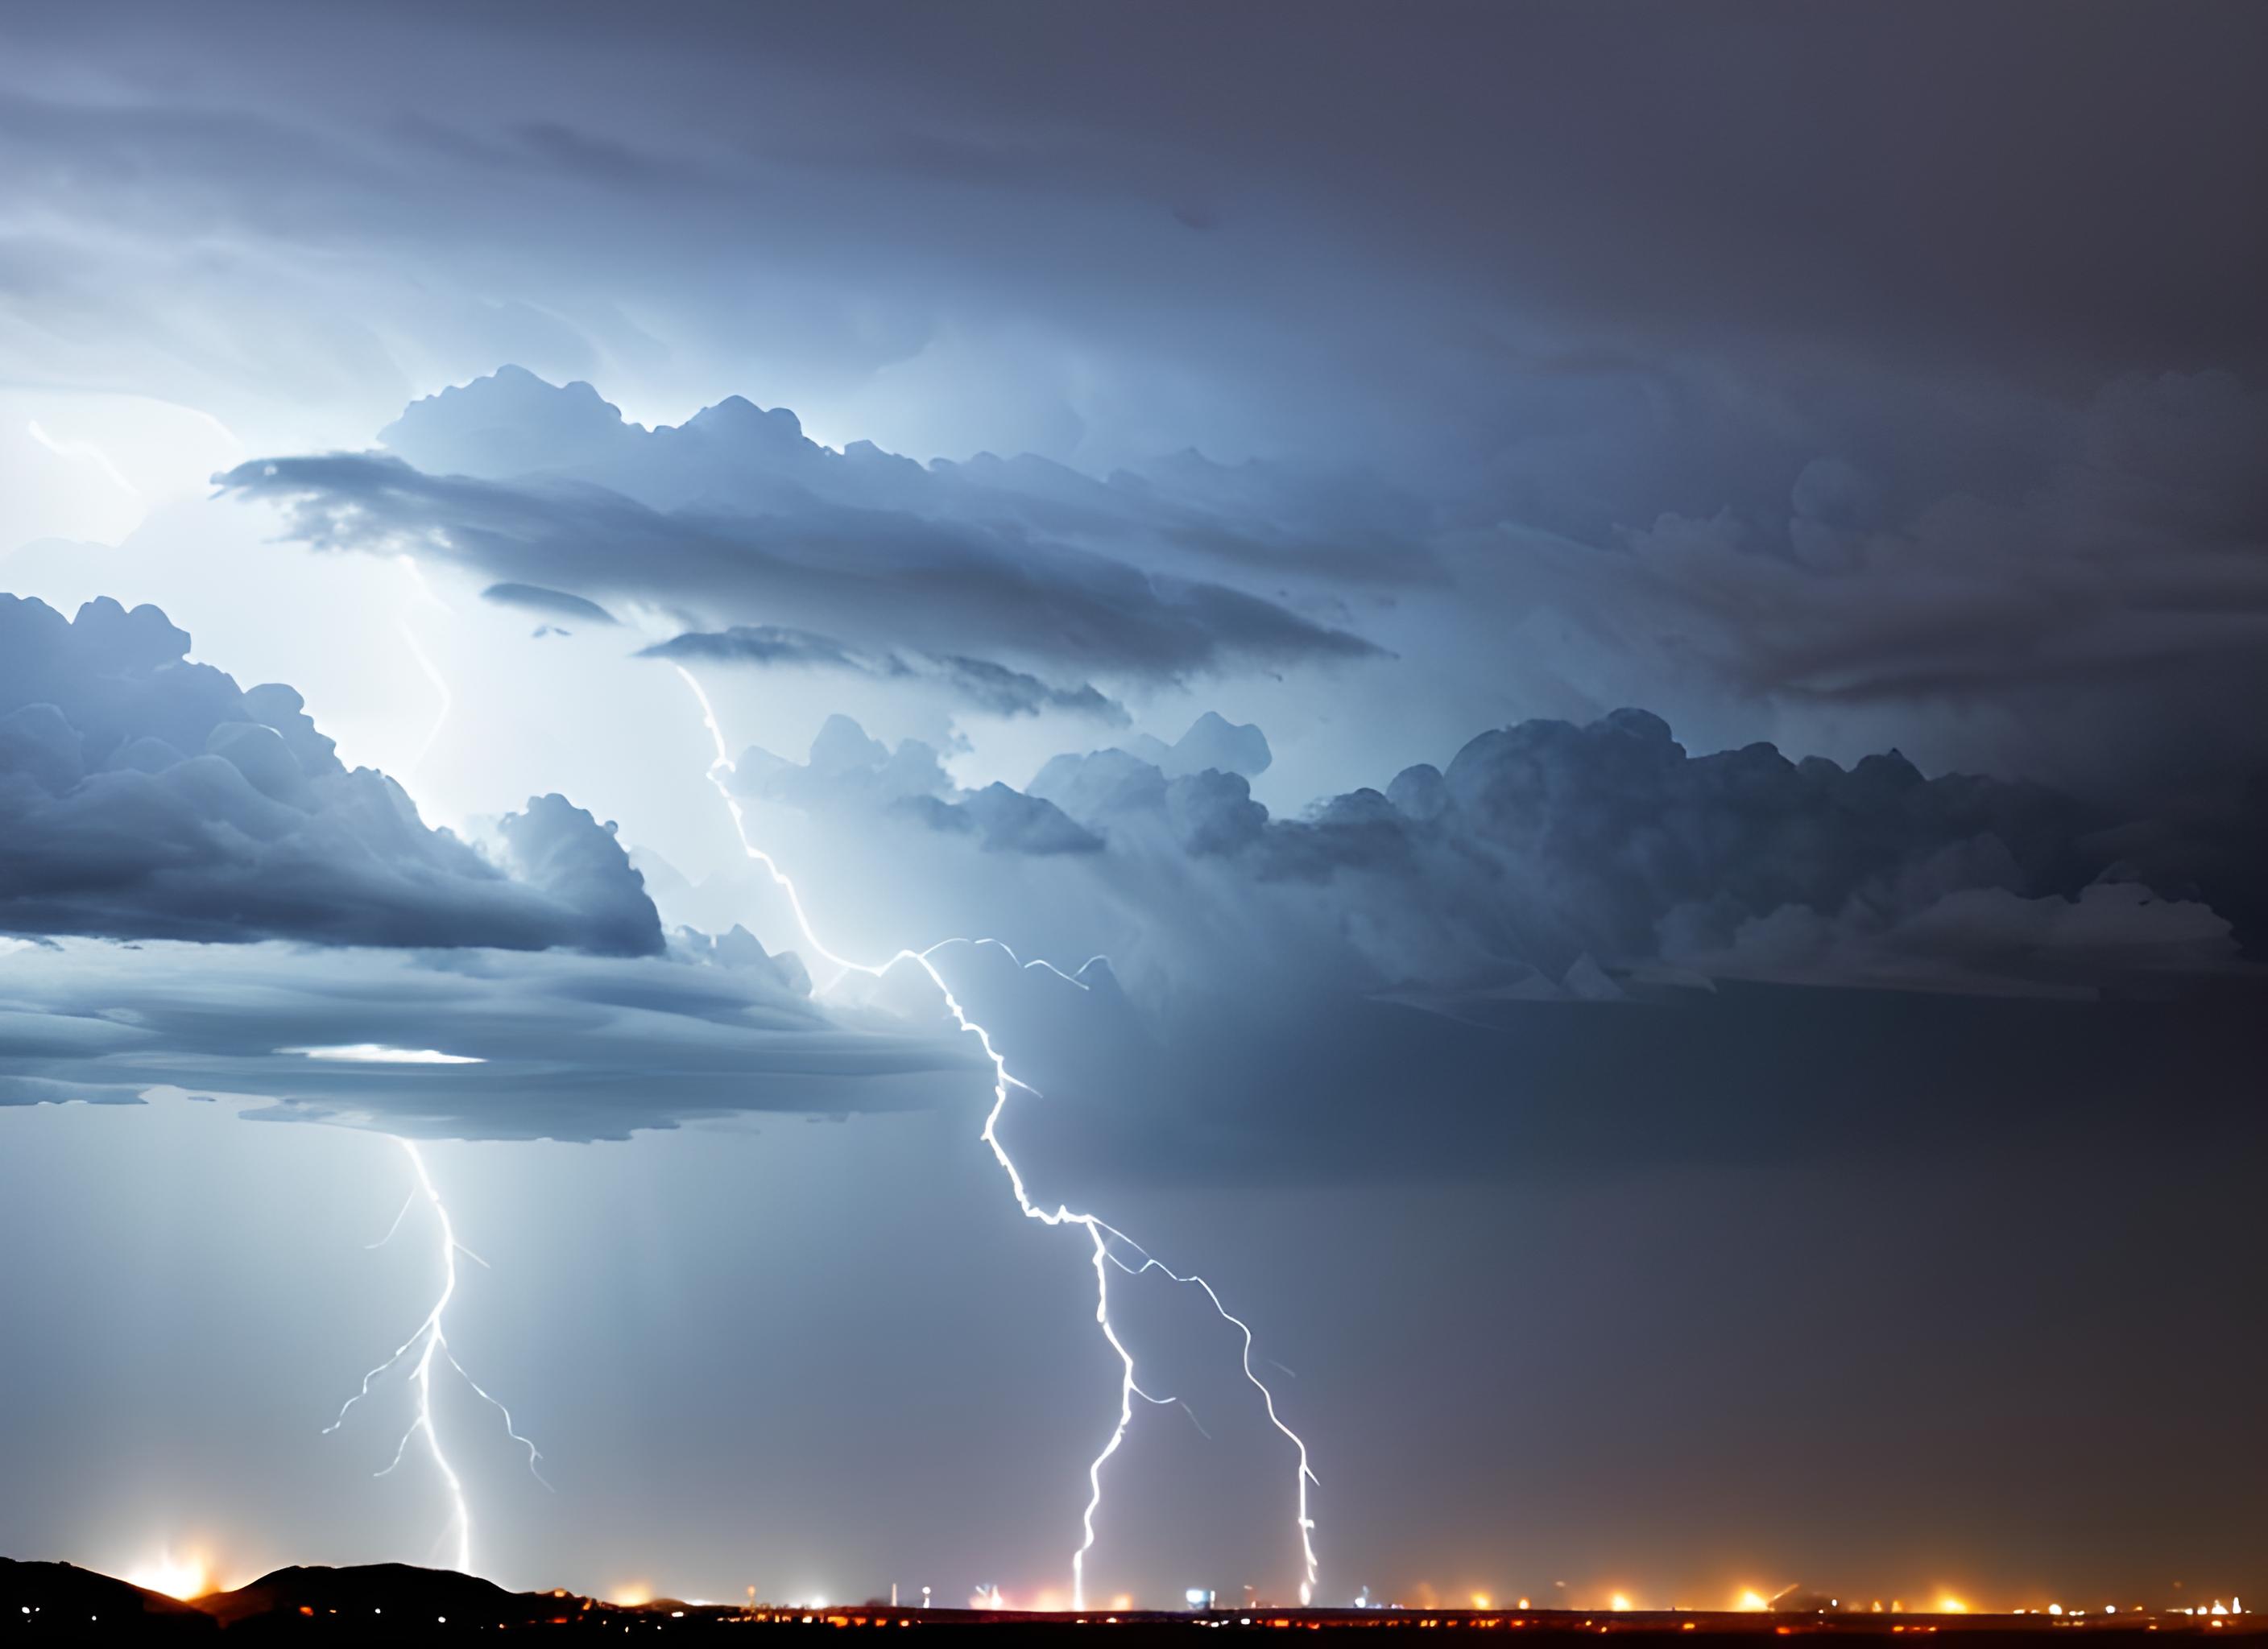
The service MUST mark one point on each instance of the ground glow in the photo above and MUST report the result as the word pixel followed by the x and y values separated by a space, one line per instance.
pixel 183 1578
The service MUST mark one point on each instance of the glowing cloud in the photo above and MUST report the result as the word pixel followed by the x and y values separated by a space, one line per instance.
pixel 379 1054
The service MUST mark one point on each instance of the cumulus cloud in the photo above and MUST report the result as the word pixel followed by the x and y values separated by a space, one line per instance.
pixel 146 797
pixel 298 935
pixel 1546 842
pixel 848 773
pixel 1563 943
pixel 1006 820
pixel 1212 741
pixel 1549 853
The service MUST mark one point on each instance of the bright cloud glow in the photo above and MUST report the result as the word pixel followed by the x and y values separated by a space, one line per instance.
pixel 379 1054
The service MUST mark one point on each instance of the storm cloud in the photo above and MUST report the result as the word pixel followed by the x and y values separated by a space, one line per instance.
pixel 286 913
pixel 979 682
pixel 1581 944
pixel 880 576
pixel 553 603
pixel 2087 612
pixel 549 1046
pixel 2069 596
pixel 849 774
pixel 1545 852
pixel 146 797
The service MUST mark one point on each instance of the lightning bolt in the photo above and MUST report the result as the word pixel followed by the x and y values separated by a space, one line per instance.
pixel 428 1341
pixel 1106 1240
pixel 431 672
pixel 440 686
pixel 83 452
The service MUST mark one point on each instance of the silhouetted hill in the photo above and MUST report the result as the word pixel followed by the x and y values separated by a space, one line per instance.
pixel 55 1600
pixel 385 1599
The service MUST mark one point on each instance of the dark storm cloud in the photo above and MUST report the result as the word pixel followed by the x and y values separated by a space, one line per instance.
pixel 761 644
pixel 884 577
pixel 262 836
pixel 988 687
pixel 849 775
pixel 2077 611
pixel 145 797
pixel 551 1045
pixel 1581 946
pixel 1335 520
pixel 1631 172
pixel 2096 616
pixel 1212 741
pixel 1282 1085
pixel 1690 389
pixel 1004 692
pixel 1545 844
pixel 1006 820
pixel 557 603
pixel 1642 289
pixel 1639 164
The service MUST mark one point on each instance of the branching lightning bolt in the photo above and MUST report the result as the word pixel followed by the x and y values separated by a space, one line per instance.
pixel 432 670
pixel 1107 1240
pixel 441 686
pixel 429 1340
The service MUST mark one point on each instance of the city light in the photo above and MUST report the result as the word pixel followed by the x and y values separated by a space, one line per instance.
pixel 182 1578
pixel 1803 1610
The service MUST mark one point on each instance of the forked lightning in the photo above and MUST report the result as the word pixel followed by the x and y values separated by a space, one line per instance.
pixel 1106 1239
pixel 430 1339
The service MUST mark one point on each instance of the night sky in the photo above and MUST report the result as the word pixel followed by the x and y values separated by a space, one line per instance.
pixel 1595 673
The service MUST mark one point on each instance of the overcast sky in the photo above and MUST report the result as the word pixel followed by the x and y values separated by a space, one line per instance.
pixel 1595 667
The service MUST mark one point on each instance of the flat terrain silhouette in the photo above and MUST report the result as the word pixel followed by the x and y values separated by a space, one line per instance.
pixel 389 1602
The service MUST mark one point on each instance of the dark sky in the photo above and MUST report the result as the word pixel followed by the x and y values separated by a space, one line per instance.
pixel 1614 652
